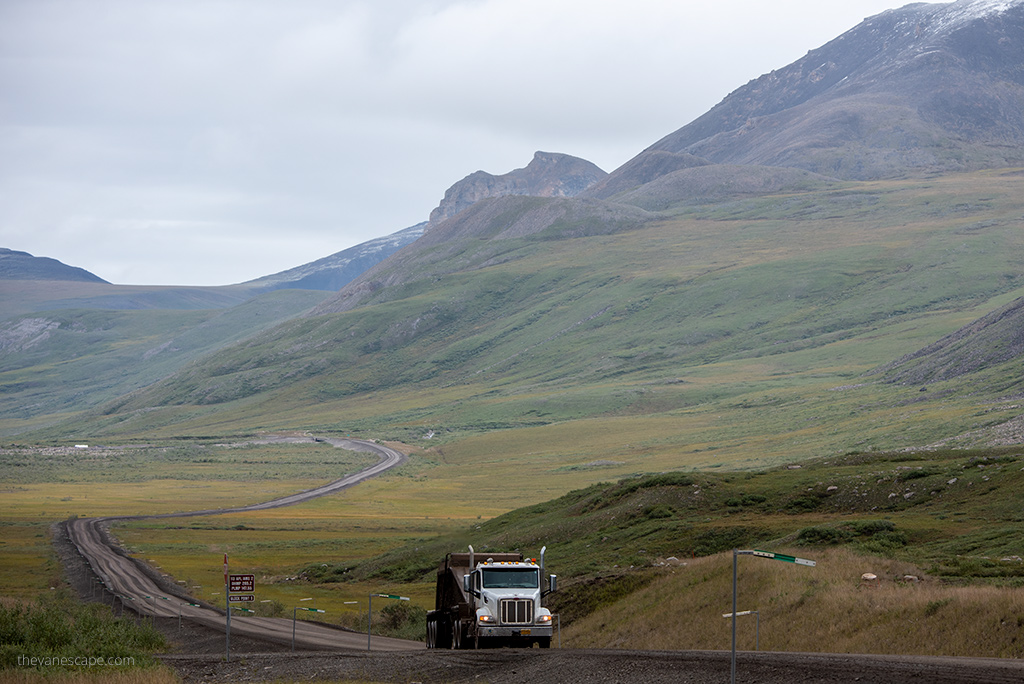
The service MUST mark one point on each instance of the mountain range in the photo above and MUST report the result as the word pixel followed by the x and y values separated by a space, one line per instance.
pixel 780 278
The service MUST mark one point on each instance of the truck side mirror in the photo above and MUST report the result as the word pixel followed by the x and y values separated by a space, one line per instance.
pixel 552 585
pixel 467 584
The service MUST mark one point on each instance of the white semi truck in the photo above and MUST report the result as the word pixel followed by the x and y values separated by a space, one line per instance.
pixel 490 600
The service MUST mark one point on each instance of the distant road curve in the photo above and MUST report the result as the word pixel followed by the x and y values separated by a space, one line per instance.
pixel 126 578
pixel 390 458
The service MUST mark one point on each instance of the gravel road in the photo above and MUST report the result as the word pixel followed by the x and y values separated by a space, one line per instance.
pixel 570 666
pixel 128 584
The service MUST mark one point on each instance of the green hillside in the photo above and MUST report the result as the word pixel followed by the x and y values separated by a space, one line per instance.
pixel 741 332
pixel 63 361
pixel 953 513
pixel 645 562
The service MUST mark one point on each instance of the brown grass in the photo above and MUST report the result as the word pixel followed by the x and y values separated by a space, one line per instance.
pixel 827 608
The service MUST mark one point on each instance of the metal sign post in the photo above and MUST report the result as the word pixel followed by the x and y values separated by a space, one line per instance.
pixel 757 630
pixel 233 584
pixel 294 611
pixel 369 612
pixel 227 611
pixel 736 553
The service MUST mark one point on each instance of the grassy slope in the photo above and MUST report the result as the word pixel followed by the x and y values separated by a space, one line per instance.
pixel 644 561
pixel 717 335
pixel 81 358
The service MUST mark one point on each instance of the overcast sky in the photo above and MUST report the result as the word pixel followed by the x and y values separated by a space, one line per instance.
pixel 209 142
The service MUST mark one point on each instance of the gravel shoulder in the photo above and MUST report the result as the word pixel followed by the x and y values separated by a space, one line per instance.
pixel 571 666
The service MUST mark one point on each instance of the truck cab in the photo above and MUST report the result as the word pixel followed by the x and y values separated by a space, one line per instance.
pixel 498 602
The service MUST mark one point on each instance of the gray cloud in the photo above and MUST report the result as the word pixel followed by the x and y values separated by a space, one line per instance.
pixel 210 142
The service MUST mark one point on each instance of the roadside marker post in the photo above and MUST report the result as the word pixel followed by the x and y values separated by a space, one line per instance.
pixel 736 553
pixel 194 605
pixel 757 629
pixel 369 612
pixel 295 610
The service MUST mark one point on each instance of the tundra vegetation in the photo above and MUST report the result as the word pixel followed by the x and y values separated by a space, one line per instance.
pixel 949 519
pixel 717 344
pixel 57 634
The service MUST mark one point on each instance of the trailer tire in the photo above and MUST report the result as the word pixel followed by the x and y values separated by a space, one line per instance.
pixel 457 635
pixel 432 634
pixel 441 633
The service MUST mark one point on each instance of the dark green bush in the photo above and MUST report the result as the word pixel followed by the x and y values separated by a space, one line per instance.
pixel 658 511
pixel 869 527
pixel 885 542
pixel 802 504
pixel 401 620
pixel 823 535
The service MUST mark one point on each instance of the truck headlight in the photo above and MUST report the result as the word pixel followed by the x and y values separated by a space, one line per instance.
pixel 543 618
pixel 485 618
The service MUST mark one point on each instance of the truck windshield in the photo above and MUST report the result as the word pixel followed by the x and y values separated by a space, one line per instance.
pixel 509 578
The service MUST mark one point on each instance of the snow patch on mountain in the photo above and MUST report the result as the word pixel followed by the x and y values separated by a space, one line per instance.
pixel 965 11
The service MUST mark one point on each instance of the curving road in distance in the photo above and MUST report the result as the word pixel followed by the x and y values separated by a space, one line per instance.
pixel 126 578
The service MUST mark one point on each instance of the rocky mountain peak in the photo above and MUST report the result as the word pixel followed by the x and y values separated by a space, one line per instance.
pixel 921 89
pixel 549 174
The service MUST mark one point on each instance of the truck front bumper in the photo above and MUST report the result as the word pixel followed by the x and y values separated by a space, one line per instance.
pixel 526 631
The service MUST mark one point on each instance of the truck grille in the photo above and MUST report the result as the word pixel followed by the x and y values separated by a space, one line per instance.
pixel 516 612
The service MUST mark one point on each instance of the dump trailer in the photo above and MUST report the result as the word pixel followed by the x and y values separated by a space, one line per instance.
pixel 490 600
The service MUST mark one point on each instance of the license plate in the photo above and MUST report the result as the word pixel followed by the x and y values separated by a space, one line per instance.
pixel 524 632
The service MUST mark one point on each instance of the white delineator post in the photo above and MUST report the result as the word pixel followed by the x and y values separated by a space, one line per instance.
pixel 736 553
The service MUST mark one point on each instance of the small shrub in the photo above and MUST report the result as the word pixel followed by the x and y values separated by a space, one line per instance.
pixel 273 609
pixel 803 504
pixel 864 528
pixel 745 500
pixel 822 535
pixel 885 542
pixel 628 486
pixel 401 620
pixel 917 474
pixel 658 511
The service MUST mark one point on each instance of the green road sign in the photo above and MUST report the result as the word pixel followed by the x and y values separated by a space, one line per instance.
pixel 781 557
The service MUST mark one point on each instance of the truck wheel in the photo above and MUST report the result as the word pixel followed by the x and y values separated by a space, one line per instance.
pixel 432 634
pixel 442 634
pixel 544 642
pixel 457 635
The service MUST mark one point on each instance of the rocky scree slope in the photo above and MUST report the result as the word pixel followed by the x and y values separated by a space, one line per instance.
pixel 924 88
